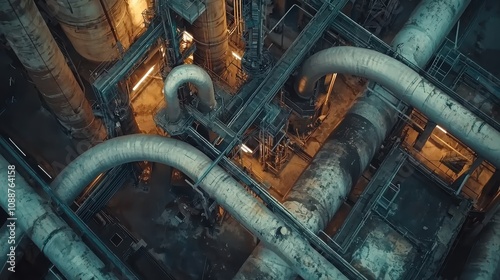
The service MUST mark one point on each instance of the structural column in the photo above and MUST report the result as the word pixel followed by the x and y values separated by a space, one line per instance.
pixel 30 38
pixel 424 135
pixel 98 29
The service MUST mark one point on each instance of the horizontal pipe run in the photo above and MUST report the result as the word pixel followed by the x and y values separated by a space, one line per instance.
pixel 56 240
pixel 188 73
pixel 413 89
pixel 97 29
pixel 307 262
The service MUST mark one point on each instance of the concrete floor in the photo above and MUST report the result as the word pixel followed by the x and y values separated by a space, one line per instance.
pixel 187 250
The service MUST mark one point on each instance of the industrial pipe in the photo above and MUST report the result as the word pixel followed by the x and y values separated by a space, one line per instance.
pixel 97 29
pixel 211 36
pixel 30 38
pixel 484 260
pixel 188 73
pixel 324 184
pixel 217 183
pixel 47 230
pixel 413 89
pixel 8 238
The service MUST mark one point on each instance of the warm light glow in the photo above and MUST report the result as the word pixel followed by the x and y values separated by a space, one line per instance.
pixel 246 149
pixel 187 37
pixel 143 78
pixel 236 56
pixel 440 128
pixel 11 141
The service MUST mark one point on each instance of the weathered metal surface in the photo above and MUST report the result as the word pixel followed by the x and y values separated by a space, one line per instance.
pixel 188 74
pixel 320 190
pixel 31 40
pixel 56 240
pixel 219 185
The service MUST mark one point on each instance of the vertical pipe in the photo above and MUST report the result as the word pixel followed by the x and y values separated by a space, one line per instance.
pixel 98 29
pixel 31 40
pixel 320 190
pixel 51 234
pixel 210 33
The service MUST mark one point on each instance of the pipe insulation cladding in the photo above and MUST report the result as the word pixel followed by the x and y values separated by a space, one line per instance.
pixel 30 38
pixel 188 73
pixel 95 27
pixel 413 89
pixel 211 36
pixel 56 240
pixel 325 183
pixel 298 253
pixel 484 259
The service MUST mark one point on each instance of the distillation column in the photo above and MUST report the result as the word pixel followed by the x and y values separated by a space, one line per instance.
pixel 320 190
pixel 99 30
pixel 211 36
pixel 30 38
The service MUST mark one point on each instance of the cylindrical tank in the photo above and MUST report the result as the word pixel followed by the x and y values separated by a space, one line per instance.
pixel 210 34
pixel 30 38
pixel 95 26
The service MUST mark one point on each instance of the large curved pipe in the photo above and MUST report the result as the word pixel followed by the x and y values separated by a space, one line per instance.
pixel 31 40
pixel 484 260
pixel 210 33
pixel 218 184
pixel 413 89
pixel 56 240
pixel 188 73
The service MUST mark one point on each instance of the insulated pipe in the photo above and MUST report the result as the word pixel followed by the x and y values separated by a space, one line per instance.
pixel 95 27
pixel 56 240
pixel 30 38
pixel 413 89
pixel 320 190
pixel 8 238
pixel 217 183
pixel 211 36
pixel 484 260
pixel 188 73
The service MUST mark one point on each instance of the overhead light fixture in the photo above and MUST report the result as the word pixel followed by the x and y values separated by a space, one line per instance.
pixel 236 56
pixel 246 149
pixel 143 78
pixel 442 129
